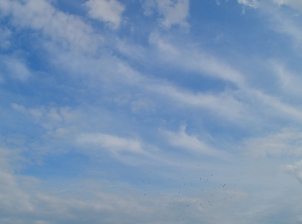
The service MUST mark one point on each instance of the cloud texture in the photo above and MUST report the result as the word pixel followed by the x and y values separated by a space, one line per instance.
pixel 152 111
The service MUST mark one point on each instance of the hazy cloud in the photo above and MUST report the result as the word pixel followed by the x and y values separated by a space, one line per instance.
pixel 191 143
pixel 108 11
pixel 295 4
pixel 250 3
pixel 39 15
pixel 173 12
pixel 16 68
pixel 286 142
pixel 295 169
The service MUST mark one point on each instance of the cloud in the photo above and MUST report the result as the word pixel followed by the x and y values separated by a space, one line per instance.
pixel 16 68
pixel 57 122
pixel 243 103
pixel 112 143
pixel 190 59
pixel 191 143
pixel 289 81
pixel 224 104
pixel 108 11
pixel 112 93
pixel 53 114
pixel 30 200
pixel 281 20
pixel 228 104
pixel 207 65
pixel 250 3
pixel 280 109
pixel 97 204
pixel 19 108
pixel 5 35
pixel 296 170
pixel 67 30
pixel 142 105
pixel 174 12
pixel 111 72
pixel 295 4
pixel 129 151
pixel 284 22
pixel 286 142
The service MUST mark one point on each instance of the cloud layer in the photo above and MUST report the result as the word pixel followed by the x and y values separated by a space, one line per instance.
pixel 171 111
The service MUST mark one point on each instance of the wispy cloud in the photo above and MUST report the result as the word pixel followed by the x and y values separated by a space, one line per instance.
pixel 250 3
pixel 15 68
pixel 112 143
pixel 5 35
pixel 173 12
pixel 67 30
pixel 289 82
pixel 94 96
pixel 286 142
pixel 190 59
pixel 224 104
pixel 107 11
pixel 192 144
pixel 295 4
pixel 295 169
pixel 287 25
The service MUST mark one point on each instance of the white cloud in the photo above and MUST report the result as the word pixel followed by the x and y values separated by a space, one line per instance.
pixel 129 151
pixel 29 200
pixel 53 114
pixel 35 206
pixel 282 21
pixel 109 11
pixel 67 30
pixel 190 59
pixel 242 104
pixel 295 169
pixel 289 81
pixel 239 106
pixel 5 35
pixel 191 143
pixel 287 142
pixel 96 204
pixel 112 143
pixel 174 12
pixel 280 109
pixel 142 105
pixel 13 199
pixel 288 26
pixel 115 72
pixel 250 3
pixel 19 108
pixel 295 4
pixel 148 6
pixel 16 68
pixel 223 104
pixel 59 122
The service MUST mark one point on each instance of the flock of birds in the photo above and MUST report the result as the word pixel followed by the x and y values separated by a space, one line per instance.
pixel 206 195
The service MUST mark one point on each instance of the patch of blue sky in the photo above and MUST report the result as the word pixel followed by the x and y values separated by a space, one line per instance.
pixel 72 7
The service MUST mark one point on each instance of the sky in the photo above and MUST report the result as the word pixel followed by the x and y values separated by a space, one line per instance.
pixel 150 111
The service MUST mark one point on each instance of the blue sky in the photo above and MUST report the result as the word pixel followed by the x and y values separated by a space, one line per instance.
pixel 150 111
